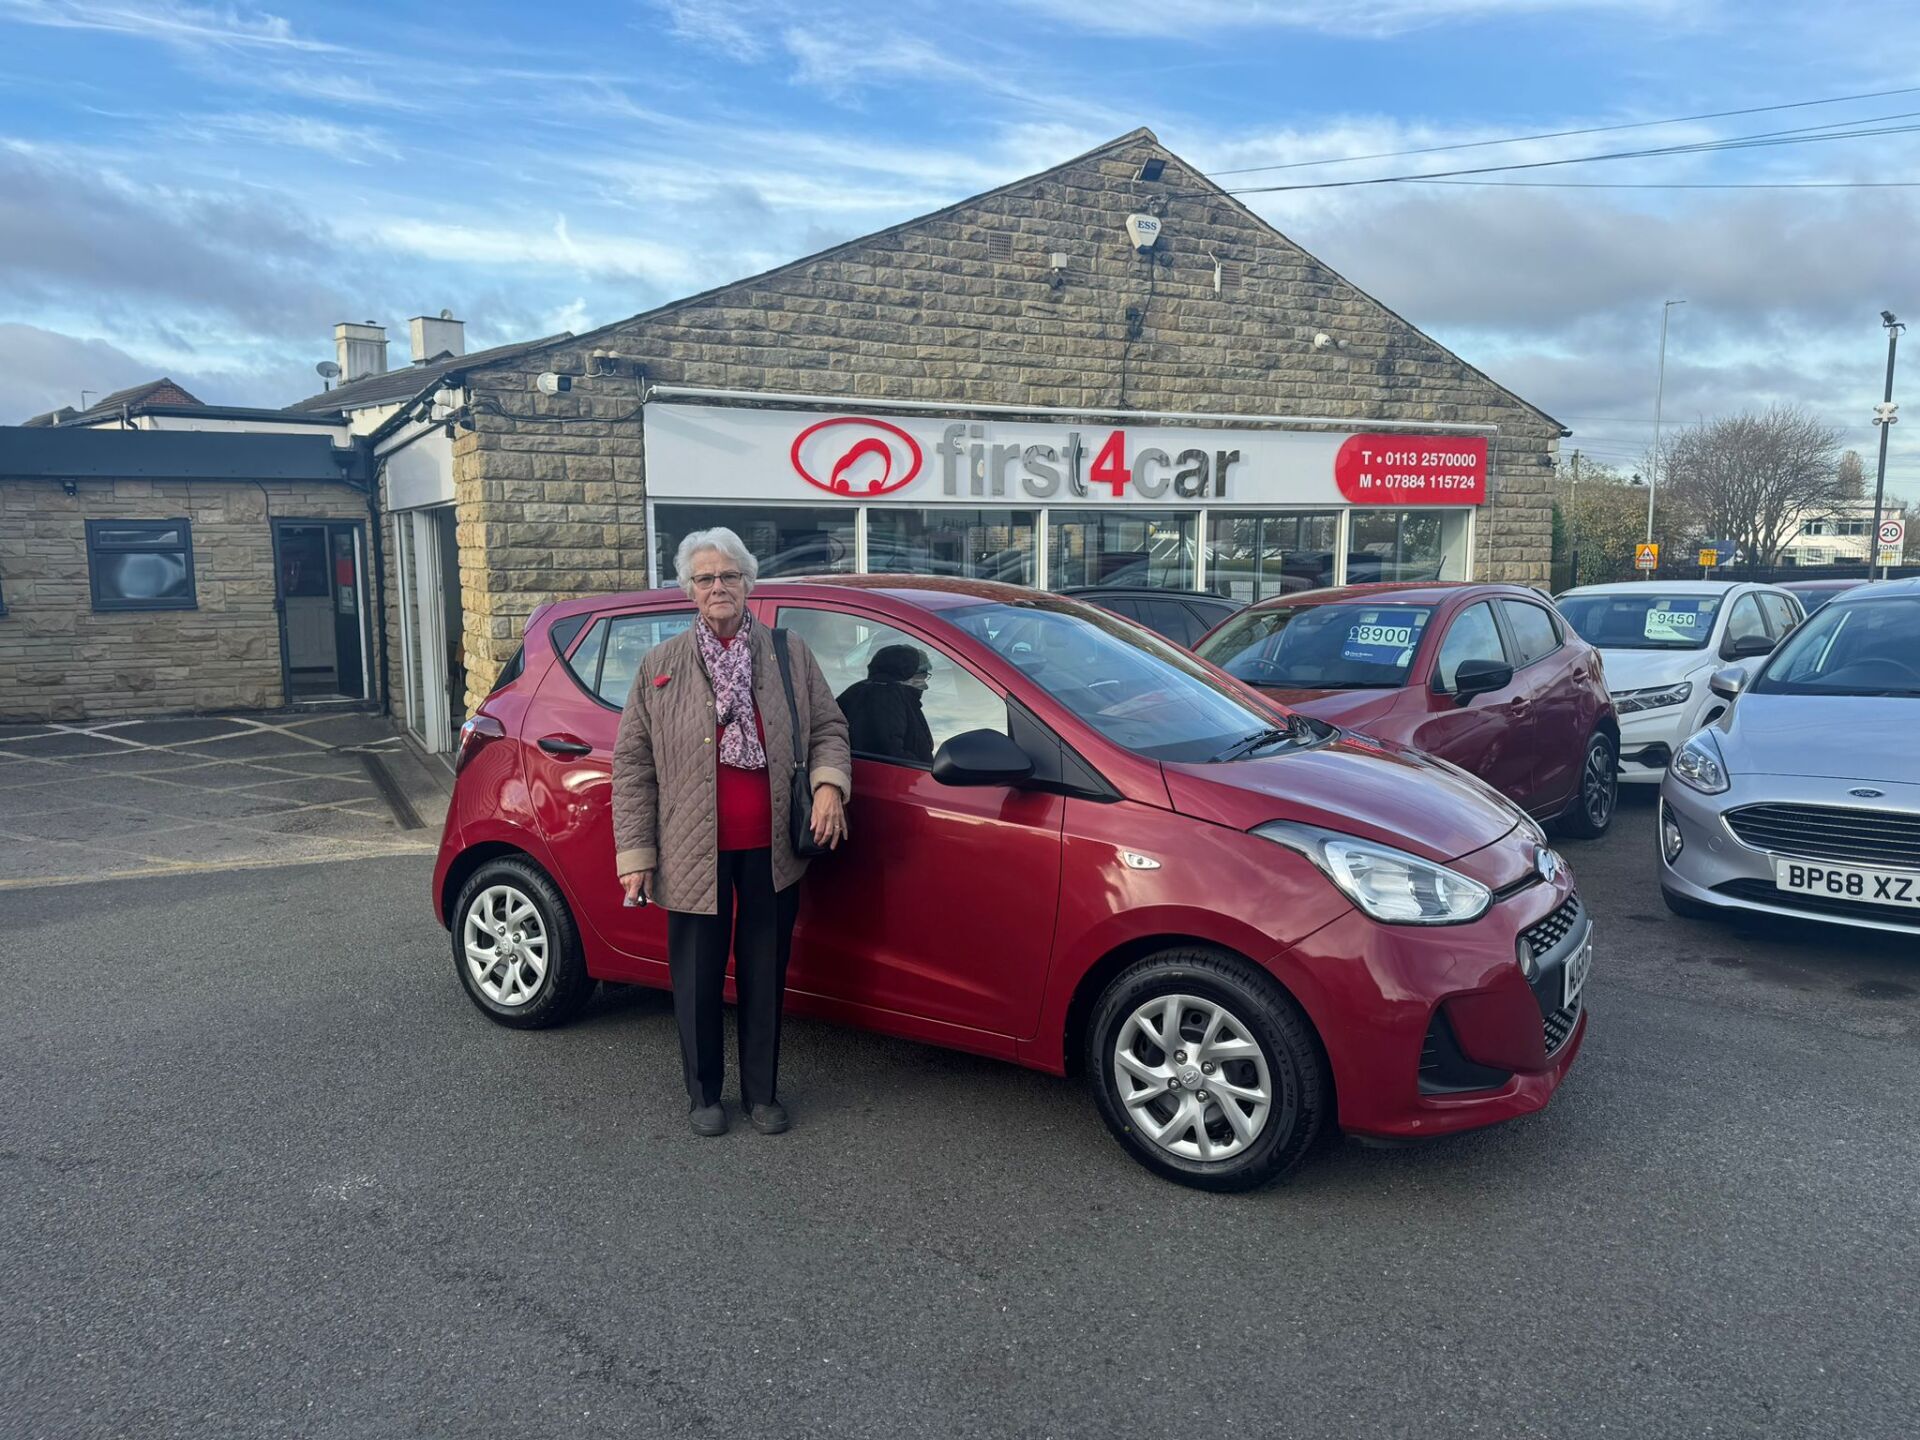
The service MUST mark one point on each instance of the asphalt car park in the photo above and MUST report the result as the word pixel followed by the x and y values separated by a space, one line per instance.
pixel 266 1170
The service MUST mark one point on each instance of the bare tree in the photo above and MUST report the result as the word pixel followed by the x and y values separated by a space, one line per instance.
pixel 1753 478
pixel 1853 476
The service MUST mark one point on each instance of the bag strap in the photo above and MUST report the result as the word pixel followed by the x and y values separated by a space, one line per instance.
pixel 786 683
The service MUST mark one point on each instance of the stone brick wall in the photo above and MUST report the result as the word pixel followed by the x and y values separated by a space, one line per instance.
pixel 62 660
pixel 551 489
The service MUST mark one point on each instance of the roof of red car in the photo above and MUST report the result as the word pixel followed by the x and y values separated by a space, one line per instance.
pixel 1413 592
pixel 925 592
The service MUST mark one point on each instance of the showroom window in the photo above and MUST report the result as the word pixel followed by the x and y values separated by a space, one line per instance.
pixel 1407 545
pixel 1104 547
pixel 974 544
pixel 785 539
pixel 845 646
pixel 141 564
pixel 1253 557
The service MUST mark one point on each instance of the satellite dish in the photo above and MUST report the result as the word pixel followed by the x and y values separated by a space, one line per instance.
pixel 327 370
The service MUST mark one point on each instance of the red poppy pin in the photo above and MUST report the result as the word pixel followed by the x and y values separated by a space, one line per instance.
pixel 659 681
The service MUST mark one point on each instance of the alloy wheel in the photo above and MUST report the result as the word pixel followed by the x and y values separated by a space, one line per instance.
pixel 1192 1077
pixel 505 942
pixel 1599 784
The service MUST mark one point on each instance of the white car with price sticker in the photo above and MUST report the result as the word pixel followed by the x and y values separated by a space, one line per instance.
pixel 1804 798
pixel 1661 642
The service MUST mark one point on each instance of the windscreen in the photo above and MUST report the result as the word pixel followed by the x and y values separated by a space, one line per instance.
pixel 1130 685
pixel 1641 622
pixel 1321 647
pixel 1863 647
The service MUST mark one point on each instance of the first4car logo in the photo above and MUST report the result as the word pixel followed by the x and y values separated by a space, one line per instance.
pixel 855 455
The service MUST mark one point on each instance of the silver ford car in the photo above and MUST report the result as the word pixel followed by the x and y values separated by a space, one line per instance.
pixel 1804 798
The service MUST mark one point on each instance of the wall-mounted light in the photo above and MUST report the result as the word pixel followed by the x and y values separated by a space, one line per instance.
pixel 1057 268
pixel 1151 169
pixel 69 487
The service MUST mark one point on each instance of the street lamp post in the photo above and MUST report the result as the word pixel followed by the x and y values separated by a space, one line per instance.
pixel 1884 418
pixel 1659 394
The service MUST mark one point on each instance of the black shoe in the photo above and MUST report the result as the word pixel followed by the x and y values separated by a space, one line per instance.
pixel 708 1119
pixel 769 1119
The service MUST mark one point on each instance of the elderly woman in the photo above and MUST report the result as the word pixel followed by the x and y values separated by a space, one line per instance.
pixel 701 777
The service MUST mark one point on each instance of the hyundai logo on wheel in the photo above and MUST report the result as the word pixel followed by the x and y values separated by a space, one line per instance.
pixel 855 455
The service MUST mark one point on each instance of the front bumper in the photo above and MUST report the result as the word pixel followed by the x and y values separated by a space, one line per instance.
pixel 1438 1030
pixel 1716 868
pixel 1648 739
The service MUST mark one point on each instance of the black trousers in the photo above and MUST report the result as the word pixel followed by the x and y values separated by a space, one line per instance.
pixel 761 937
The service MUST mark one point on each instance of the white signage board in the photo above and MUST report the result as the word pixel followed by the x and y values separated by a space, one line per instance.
pixel 721 453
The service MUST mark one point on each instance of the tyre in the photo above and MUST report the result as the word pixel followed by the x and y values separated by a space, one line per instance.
pixel 1206 1070
pixel 1686 908
pixel 516 948
pixel 1590 814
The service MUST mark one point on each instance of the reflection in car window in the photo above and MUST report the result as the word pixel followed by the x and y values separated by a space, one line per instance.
pixel 1865 647
pixel 1472 636
pixel 1321 647
pixel 1532 631
pixel 1136 689
pixel 1780 614
pixel 847 648
pixel 607 659
pixel 1642 622
pixel 1745 621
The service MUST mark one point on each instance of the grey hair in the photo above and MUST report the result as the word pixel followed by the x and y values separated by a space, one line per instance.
pixel 718 538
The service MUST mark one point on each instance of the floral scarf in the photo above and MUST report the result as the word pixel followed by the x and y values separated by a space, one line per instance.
pixel 730 668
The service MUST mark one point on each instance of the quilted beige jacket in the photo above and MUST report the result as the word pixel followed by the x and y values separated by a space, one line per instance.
pixel 665 763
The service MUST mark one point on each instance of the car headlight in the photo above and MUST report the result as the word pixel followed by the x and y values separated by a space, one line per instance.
pixel 1659 697
pixel 1698 765
pixel 1388 884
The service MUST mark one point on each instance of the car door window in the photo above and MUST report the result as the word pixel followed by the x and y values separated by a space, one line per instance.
pixel 879 716
pixel 1472 636
pixel 1169 618
pixel 1746 620
pixel 608 656
pixel 1533 631
pixel 1780 614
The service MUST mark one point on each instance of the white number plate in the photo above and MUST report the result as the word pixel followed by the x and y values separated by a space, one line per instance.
pixel 1869 885
pixel 1574 979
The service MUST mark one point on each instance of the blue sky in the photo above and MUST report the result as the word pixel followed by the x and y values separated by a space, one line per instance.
pixel 202 190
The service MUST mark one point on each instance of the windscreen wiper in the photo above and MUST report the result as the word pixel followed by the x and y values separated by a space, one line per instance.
pixel 1248 744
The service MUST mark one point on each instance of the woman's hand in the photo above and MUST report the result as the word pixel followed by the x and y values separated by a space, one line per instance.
pixel 637 883
pixel 829 817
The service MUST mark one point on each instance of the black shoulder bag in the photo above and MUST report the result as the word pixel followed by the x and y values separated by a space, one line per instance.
pixel 799 792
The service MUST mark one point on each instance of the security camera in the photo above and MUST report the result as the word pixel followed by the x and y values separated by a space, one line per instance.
pixel 1322 340
pixel 551 383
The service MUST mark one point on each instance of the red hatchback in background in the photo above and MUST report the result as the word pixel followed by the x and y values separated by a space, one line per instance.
pixel 1486 677
pixel 1243 926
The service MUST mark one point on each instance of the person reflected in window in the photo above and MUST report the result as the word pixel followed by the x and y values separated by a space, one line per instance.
pixel 884 715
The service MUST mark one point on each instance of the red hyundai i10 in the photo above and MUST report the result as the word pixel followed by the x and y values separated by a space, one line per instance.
pixel 1244 926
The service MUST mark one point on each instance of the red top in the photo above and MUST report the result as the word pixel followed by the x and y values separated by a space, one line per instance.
pixel 744 798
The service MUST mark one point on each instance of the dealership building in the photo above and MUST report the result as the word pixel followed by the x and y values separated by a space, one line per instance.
pixel 1111 372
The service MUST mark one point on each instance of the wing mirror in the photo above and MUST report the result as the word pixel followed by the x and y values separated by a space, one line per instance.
pixel 1728 683
pixel 1480 677
pixel 981 757
pixel 1746 647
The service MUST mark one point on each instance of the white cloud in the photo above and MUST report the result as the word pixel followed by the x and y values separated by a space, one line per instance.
pixel 355 144
pixel 727 26
pixel 173 23
pixel 1369 18
pixel 555 247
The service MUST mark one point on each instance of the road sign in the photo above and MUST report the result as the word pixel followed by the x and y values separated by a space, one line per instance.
pixel 1709 559
pixel 1646 557
pixel 1893 534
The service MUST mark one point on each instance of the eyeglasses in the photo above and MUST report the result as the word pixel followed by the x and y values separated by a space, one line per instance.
pixel 729 578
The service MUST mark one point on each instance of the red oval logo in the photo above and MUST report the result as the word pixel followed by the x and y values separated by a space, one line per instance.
pixel 842 462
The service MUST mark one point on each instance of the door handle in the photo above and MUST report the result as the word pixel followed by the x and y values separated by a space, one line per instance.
pixel 564 745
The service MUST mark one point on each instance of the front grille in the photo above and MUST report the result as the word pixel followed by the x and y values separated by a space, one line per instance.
pixel 1559 1027
pixel 1830 832
pixel 1543 935
pixel 1763 892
